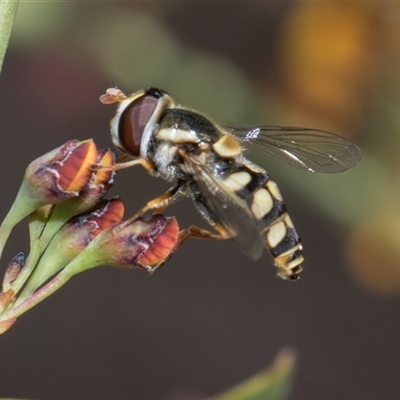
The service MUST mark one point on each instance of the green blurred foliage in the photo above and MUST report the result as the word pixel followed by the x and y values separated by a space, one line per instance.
pixel 39 23
pixel 273 384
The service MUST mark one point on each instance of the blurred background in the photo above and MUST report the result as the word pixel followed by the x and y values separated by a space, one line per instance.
pixel 210 318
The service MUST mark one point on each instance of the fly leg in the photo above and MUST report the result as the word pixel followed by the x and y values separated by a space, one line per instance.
pixel 198 233
pixel 160 203
pixel 122 165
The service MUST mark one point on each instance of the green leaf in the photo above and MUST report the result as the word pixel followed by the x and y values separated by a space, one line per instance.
pixel 275 383
pixel 8 9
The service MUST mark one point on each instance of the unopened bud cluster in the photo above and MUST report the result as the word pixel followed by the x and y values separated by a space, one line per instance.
pixel 73 228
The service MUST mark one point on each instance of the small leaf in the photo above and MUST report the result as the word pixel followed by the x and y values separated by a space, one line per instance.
pixel 273 384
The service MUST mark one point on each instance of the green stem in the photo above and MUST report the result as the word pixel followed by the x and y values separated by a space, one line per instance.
pixel 87 259
pixel 36 225
pixel 28 268
pixel 8 10
pixel 5 230
pixel 36 298
pixel 23 206
pixel 60 215
pixel 13 217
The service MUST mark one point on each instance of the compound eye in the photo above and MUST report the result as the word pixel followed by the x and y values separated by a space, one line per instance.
pixel 133 122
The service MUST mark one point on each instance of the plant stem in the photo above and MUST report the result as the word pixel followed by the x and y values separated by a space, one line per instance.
pixel 39 296
pixel 27 270
pixel 8 9
pixel 85 260
pixel 21 208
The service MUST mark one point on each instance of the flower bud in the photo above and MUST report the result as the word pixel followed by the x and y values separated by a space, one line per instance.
pixel 100 181
pixel 146 243
pixel 71 239
pixel 62 173
pixel 78 232
pixel 13 269
pixel 51 179
pixel 7 295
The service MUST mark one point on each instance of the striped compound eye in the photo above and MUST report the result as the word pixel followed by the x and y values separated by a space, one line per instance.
pixel 136 117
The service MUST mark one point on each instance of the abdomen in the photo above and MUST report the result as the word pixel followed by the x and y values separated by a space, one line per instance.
pixel 266 205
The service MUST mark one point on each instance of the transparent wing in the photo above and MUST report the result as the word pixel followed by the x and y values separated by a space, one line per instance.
pixel 308 149
pixel 227 209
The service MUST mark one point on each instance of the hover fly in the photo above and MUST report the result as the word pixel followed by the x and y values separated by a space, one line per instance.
pixel 205 161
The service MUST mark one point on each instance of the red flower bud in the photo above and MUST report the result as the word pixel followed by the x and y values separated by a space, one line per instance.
pixel 100 181
pixel 145 243
pixel 72 239
pixel 51 179
pixel 62 173
pixel 82 229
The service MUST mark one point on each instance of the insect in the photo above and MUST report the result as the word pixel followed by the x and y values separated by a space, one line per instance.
pixel 205 161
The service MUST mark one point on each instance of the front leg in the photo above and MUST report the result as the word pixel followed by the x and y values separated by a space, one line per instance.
pixel 160 203
pixel 118 166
